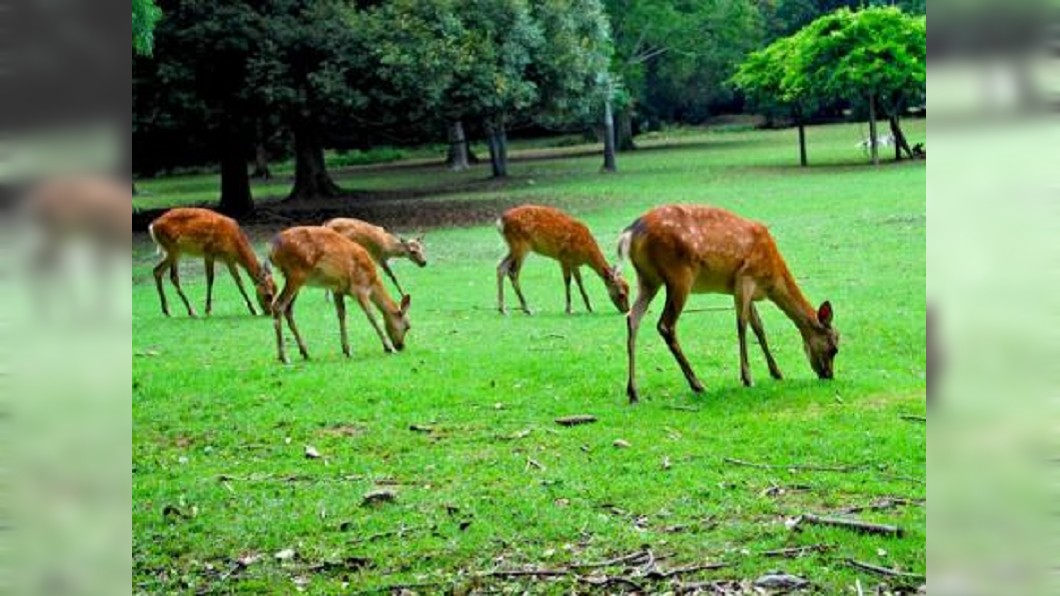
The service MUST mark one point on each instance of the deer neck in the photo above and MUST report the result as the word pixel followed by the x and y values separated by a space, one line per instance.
pixel 791 301
pixel 382 300
pixel 248 259
pixel 598 263
pixel 394 248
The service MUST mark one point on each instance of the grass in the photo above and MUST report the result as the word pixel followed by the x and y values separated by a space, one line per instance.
pixel 220 427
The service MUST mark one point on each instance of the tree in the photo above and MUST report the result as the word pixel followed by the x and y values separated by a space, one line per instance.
pixel 874 58
pixel 775 88
pixel 674 56
pixel 145 14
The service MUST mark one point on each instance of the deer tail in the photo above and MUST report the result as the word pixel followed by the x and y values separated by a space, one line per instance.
pixel 625 241
pixel 151 232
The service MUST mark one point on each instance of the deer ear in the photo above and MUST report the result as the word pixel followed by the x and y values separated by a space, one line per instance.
pixel 406 300
pixel 824 314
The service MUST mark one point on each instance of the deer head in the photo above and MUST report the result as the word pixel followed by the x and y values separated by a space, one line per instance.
pixel 821 342
pixel 617 289
pixel 416 250
pixel 397 323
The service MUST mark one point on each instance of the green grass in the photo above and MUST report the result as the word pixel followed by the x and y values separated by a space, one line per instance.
pixel 220 426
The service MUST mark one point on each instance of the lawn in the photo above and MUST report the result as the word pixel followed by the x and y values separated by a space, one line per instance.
pixel 460 426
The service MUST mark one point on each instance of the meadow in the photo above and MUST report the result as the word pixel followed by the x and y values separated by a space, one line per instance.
pixel 460 427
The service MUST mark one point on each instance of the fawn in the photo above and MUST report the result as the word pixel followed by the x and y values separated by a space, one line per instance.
pixel 380 244
pixel 700 249
pixel 212 236
pixel 321 257
pixel 553 233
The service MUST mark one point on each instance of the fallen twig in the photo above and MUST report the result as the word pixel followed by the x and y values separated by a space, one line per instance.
pixel 913 418
pixel 901 477
pixel 882 570
pixel 610 579
pixel 851 524
pixel 797 551
pixel 881 504
pixel 575 420
pixel 527 573
pixel 658 574
pixel 630 558
pixel 809 467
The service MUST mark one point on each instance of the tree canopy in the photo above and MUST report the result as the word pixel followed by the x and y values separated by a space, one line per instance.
pixel 872 59
pixel 145 14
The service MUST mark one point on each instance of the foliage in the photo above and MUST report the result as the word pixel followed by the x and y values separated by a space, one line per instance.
pixel 842 56
pixel 674 56
pixel 145 15
pixel 875 52
pixel 219 428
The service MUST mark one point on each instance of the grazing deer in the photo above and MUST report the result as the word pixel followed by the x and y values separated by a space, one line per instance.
pixel 380 244
pixel 212 236
pixel 553 233
pixel 319 256
pixel 699 249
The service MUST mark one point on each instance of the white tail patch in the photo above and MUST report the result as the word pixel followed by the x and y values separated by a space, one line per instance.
pixel 500 225
pixel 624 242
pixel 151 232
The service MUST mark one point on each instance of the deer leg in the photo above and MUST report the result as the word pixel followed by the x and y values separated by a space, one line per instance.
pixel 675 303
pixel 340 310
pixel 566 284
pixel 289 315
pixel 645 295
pixel 279 308
pixel 174 278
pixel 159 271
pixel 208 262
pixel 742 303
pixel 513 274
pixel 581 287
pixel 760 333
pixel 386 269
pixel 366 306
pixel 239 284
pixel 502 271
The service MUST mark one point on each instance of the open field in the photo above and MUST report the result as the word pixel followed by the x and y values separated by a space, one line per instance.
pixel 489 481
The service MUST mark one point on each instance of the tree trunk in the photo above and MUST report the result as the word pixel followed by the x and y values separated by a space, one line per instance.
pixel 873 145
pixel 261 162
pixel 498 143
pixel 900 142
pixel 609 138
pixel 457 158
pixel 311 178
pixel 235 182
pixel 802 143
pixel 625 129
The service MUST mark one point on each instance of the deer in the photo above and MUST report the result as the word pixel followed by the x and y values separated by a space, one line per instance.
pixel 702 249
pixel 214 237
pixel 321 257
pixel 381 244
pixel 554 234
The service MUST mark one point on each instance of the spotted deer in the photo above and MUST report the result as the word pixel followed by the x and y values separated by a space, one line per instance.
pixel 554 234
pixel 381 244
pixel 700 249
pixel 321 257
pixel 214 237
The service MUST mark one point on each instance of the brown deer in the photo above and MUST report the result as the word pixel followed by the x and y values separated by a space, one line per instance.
pixel 554 234
pixel 205 233
pixel 700 249
pixel 380 244
pixel 321 257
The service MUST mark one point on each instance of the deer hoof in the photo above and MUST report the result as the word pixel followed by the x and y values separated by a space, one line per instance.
pixel 697 386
